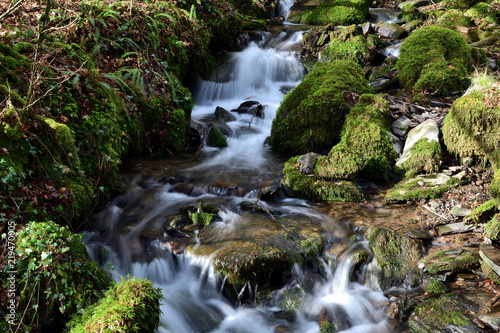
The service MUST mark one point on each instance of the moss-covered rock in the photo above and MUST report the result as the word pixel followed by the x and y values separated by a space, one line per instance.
pixel 323 12
pixel 56 279
pixel 454 261
pixel 312 114
pixel 310 187
pixel 421 187
pixel 365 147
pixel 483 213
pixel 425 156
pixel 435 286
pixel 435 315
pixel 482 13
pixel 454 19
pixel 411 13
pixel 492 228
pixel 434 59
pixel 471 128
pixel 397 256
pixel 355 49
pixel 132 305
pixel 215 137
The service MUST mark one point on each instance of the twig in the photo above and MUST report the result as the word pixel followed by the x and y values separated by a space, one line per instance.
pixel 11 9
pixel 441 216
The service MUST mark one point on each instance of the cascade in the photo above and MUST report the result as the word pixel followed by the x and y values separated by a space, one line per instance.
pixel 129 233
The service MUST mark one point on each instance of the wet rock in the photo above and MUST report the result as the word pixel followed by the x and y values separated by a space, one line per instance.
pixel 418 233
pixel 390 30
pixel 456 260
pixel 455 228
pixel 491 261
pixel 401 126
pixel 258 208
pixel 215 138
pixel 272 193
pixel 441 315
pixel 251 107
pixel 413 190
pixel 397 256
pixel 416 3
pixel 459 211
pixel 307 162
pixel 224 115
pixel 397 144
pixel 491 321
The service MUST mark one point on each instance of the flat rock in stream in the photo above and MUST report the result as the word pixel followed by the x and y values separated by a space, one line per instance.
pixel 456 228
pixel 454 261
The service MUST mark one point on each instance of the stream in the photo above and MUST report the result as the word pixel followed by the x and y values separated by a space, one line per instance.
pixel 130 232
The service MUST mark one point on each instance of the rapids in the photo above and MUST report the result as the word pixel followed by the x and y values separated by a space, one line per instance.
pixel 129 234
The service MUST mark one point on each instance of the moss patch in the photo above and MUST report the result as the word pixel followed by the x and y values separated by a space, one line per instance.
pixel 450 261
pixel 314 189
pixel 132 305
pixel 216 138
pixel 411 190
pixel 323 12
pixel 434 286
pixel 355 49
pixel 312 114
pixel 425 156
pixel 483 213
pixel 436 314
pixel 365 147
pixel 492 228
pixel 434 59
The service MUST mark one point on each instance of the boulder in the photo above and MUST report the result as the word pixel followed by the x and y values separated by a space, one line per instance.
pixel 224 115
pixel 356 49
pixel 422 150
pixel 312 114
pixel 324 12
pixel 365 147
pixel 447 261
pixel 434 59
pixel 390 30
pixel 215 138
pixel 401 126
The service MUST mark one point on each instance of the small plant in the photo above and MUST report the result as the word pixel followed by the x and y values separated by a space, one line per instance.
pixel 56 276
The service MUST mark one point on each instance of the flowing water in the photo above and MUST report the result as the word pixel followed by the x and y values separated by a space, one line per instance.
pixel 130 232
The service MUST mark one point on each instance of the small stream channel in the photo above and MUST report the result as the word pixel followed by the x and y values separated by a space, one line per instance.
pixel 131 232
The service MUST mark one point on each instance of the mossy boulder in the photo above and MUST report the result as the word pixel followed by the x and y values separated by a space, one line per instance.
pixel 471 128
pixel 215 138
pixel 453 261
pixel 492 228
pixel 411 13
pixel 355 49
pixel 324 12
pixel 365 147
pixel 312 114
pixel 483 213
pixel 437 314
pixel 481 13
pixel 434 59
pixel 312 188
pixel 397 256
pixel 132 305
pixel 435 286
pixel 421 187
pixel 454 19
pixel 56 277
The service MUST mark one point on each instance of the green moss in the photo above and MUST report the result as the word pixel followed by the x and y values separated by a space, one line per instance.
pixel 453 19
pixel 490 273
pixel 355 49
pixel 459 4
pixel 22 47
pixel 482 12
pixel 311 115
pixel 471 128
pixel 397 256
pixel 434 286
pixel 411 13
pixel 216 138
pixel 312 188
pixel 492 228
pixel 434 59
pixel 450 261
pixel 482 213
pixel 435 314
pixel 202 219
pixel 410 190
pixel 365 147
pixel 132 305
pixel 425 156
pixel 338 12
pixel 495 187
pixel 55 273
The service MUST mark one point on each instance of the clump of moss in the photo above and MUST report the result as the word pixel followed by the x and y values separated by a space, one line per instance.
pixel 492 228
pixel 425 156
pixel 312 114
pixel 202 219
pixel 132 305
pixel 481 13
pixel 355 49
pixel 453 19
pixel 434 59
pixel 314 189
pixel 216 138
pixel 482 213
pixel 435 286
pixel 436 314
pixel 397 256
pixel 337 12
pixel 56 275
pixel 411 13
pixel 365 147
pixel 450 261
pixel 495 187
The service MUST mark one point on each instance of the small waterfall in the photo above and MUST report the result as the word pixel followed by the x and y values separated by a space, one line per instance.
pixel 284 7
